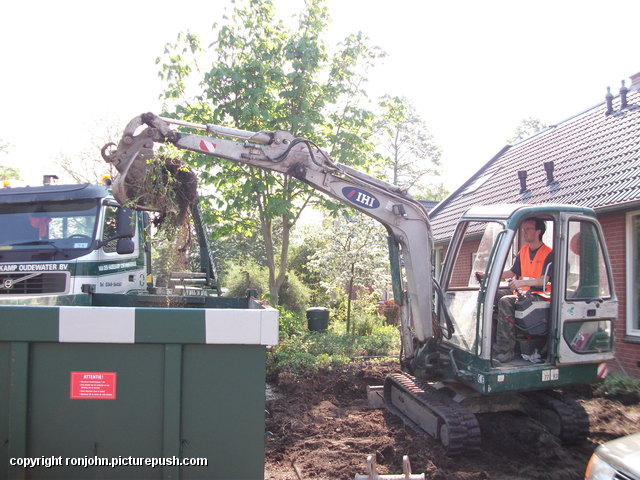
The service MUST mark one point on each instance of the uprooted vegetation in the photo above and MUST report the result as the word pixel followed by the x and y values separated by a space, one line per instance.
pixel 169 188
pixel 173 188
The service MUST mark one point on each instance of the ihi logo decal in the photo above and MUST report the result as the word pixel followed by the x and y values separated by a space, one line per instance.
pixel 360 197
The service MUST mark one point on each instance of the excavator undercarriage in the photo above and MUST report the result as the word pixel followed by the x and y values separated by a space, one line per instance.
pixel 448 411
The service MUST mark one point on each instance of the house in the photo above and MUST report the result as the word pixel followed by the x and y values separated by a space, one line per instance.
pixel 591 159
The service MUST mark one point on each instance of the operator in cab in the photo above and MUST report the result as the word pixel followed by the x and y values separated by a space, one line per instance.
pixel 530 271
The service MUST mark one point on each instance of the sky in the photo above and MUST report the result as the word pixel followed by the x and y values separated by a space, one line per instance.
pixel 473 69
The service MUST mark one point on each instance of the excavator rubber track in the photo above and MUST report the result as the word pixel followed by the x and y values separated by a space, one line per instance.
pixel 456 427
pixel 562 416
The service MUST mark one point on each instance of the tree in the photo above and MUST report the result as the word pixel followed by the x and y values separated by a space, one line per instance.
pixel 409 158
pixel 87 166
pixel 259 75
pixel 8 173
pixel 528 126
pixel 353 259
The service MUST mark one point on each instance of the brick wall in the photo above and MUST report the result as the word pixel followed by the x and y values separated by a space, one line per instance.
pixel 462 267
pixel 627 353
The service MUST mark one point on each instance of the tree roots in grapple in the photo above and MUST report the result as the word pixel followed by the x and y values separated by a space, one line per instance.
pixel 170 188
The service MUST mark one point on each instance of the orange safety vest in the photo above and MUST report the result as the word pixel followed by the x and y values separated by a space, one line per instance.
pixel 533 268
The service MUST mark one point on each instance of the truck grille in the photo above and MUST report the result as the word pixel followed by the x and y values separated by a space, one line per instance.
pixel 39 283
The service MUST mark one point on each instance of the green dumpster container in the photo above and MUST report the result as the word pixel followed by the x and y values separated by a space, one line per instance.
pixel 133 392
pixel 318 319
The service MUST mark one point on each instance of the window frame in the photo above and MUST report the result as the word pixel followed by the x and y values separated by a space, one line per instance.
pixel 632 310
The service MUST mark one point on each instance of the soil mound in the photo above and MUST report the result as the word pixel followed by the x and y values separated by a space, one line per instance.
pixel 321 428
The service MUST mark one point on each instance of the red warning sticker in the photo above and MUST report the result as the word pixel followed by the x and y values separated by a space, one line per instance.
pixel 93 385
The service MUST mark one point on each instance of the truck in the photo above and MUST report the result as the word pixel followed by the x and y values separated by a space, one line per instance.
pixel 58 241
pixel 447 325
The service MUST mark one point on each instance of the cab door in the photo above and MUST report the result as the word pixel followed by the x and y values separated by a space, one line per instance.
pixel 588 306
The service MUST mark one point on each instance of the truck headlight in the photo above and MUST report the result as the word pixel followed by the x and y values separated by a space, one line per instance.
pixel 598 469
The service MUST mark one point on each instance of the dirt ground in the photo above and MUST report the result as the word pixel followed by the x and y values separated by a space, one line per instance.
pixel 322 428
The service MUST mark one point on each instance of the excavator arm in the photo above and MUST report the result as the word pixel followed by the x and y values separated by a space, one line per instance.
pixel 405 219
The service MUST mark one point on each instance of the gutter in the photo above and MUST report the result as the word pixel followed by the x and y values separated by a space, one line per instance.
pixel 628 205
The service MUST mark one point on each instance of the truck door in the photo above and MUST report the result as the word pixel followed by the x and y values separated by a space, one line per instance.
pixel 119 272
pixel 588 306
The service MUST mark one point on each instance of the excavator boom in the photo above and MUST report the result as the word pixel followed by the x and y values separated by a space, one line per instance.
pixel 405 219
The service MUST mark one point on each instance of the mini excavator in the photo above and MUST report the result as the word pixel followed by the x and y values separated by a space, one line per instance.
pixel 447 325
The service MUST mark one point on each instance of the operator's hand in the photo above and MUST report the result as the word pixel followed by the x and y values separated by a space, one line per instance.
pixel 514 284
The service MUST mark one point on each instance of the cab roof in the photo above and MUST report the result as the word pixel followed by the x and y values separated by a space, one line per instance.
pixel 515 211
pixel 49 193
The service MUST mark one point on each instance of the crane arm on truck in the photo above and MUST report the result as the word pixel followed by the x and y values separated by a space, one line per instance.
pixel 405 219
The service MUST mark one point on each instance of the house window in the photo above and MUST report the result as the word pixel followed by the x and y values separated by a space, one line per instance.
pixel 633 273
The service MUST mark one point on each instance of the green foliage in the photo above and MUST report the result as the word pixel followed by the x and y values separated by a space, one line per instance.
pixel 352 262
pixel 528 126
pixel 291 324
pixel 257 74
pixel 240 278
pixel 294 295
pixel 175 252
pixel 365 323
pixel 409 156
pixel 9 173
pixel 618 384
pixel 300 258
pixel 354 251
pixel 307 352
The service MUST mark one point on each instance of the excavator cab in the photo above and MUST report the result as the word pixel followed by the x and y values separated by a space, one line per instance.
pixel 563 331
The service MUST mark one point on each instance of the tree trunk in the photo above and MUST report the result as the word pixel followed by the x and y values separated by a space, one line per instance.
pixel 267 236
pixel 277 272
pixel 349 295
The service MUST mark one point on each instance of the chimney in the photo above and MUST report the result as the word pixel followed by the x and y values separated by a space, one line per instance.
pixel 548 167
pixel 609 99
pixel 48 179
pixel 635 82
pixel 522 175
pixel 623 96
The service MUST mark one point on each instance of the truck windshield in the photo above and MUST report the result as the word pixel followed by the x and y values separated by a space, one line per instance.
pixel 68 224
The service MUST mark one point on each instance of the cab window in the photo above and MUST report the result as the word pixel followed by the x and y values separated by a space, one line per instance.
pixel 587 275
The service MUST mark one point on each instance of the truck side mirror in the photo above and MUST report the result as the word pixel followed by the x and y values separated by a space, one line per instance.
pixel 125 246
pixel 125 226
